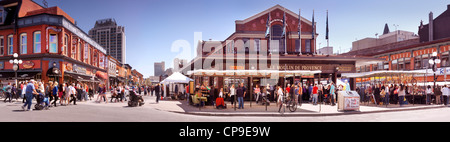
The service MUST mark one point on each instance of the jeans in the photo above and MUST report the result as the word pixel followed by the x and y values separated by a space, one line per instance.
pixel 157 97
pixel 428 98
pixel 401 100
pixel 46 101
pixel 314 99
pixel 29 99
pixel 241 102
pixel 386 98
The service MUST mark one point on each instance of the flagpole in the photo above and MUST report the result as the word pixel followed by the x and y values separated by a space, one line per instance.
pixel 300 31
pixel 328 36
pixel 314 35
pixel 285 32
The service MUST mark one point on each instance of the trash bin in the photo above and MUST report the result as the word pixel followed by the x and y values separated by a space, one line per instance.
pixel 348 101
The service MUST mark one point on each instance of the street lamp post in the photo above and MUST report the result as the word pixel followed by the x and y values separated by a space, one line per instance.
pixel 433 61
pixel 15 61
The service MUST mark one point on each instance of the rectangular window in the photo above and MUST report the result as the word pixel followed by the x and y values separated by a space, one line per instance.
pixel 425 63
pixel 297 46
pixel 417 62
pixel 66 43
pixel 79 52
pixel 73 51
pixel 10 45
pixel 2 45
pixel 86 48
pixel 53 43
pixel 308 46
pixel 445 59
pixel 37 42
pixel 23 43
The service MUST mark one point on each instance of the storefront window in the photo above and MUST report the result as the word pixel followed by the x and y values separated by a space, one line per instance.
pixel 445 59
pixel 401 64
pixel 386 65
pixel 407 62
pixel 418 62
pixel 425 61
pixel 394 64
pixel 37 42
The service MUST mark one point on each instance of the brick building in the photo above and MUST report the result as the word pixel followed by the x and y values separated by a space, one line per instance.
pixel 46 39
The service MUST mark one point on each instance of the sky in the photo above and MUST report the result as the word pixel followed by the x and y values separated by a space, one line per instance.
pixel 152 26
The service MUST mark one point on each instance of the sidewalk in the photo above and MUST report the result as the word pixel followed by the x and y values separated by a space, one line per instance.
pixel 306 109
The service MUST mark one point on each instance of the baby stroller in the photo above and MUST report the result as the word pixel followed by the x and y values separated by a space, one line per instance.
pixel 265 99
pixel 40 101
pixel 135 100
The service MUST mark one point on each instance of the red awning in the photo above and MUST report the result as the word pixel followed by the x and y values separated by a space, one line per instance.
pixel 101 75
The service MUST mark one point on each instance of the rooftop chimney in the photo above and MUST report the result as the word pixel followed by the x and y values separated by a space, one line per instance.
pixel 430 27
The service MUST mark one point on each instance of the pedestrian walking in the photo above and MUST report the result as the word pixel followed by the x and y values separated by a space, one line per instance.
pixel 232 94
pixel 445 94
pixel 29 92
pixel 401 94
pixel 429 92
pixel 55 95
pixel 157 87
pixel 240 93
pixel 315 94
pixel 73 94
pixel 8 89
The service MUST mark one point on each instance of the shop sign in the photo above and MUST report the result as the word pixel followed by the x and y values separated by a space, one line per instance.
pixel 341 68
pixel 237 67
pixel 69 67
pixel 2 65
pixel 79 69
pixel 28 64
pixel 351 103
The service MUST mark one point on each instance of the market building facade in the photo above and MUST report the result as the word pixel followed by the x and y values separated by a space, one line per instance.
pixel 415 54
pixel 269 41
pixel 49 43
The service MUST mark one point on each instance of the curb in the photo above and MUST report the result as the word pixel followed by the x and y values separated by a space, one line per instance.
pixel 274 114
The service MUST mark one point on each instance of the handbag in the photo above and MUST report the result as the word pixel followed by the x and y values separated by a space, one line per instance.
pixel 383 93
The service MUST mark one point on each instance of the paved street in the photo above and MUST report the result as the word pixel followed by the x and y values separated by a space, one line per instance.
pixel 91 111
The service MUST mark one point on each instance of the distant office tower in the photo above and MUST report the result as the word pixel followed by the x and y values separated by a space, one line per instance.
pixel 110 36
pixel 159 68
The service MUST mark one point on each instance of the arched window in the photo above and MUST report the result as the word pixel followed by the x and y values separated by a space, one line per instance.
pixel 276 35
pixel 53 43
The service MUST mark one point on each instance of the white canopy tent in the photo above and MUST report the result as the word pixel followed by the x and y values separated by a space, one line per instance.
pixel 176 78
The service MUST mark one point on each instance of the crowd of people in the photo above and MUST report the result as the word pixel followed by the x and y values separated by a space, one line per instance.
pixel 403 94
pixel 314 93
pixel 53 94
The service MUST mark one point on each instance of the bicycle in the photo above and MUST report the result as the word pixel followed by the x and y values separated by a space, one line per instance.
pixel 289 102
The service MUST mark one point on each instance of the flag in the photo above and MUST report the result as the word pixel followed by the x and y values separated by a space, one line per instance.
pixel 313 34
pixel 299 31
pixel 284 25
pixel 326 36
pixel 299 25
pixel 268 26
